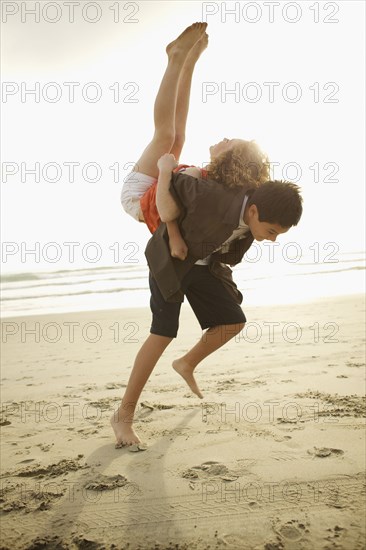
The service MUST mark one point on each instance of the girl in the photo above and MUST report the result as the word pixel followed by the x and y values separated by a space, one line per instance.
pixel 233 161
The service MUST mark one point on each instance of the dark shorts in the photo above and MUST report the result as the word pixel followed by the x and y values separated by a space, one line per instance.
pixel 212 304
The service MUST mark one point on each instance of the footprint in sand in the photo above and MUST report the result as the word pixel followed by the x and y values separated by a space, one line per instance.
pixel 323 452
pixel 52 470
pixel 210 469
pixel 101 482
pixel 291 531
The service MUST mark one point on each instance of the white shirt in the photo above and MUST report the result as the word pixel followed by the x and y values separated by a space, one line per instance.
pixel 239 232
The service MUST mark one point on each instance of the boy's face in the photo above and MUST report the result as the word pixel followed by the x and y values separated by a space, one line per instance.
pixel 262 230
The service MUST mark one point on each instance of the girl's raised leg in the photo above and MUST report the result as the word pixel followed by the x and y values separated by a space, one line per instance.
pixel 184 91
pixel 178 247
pixel 166 100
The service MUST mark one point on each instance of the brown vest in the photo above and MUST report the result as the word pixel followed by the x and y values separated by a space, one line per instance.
pixel 209 214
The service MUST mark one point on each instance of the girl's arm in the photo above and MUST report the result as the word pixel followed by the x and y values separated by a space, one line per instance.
pixel 166 205
pixel 168 208
pixel 177 245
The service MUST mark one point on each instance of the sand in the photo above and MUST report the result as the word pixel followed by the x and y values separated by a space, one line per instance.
pixel 272 457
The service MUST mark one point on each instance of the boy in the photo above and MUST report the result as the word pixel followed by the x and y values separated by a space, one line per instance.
pixel 218 223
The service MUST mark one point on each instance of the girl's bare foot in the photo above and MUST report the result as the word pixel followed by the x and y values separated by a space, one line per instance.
pixel 197 49
pixel 187 39
pixel 123 430
pixel 185 370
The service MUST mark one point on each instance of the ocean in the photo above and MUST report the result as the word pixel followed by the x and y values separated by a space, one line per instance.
pixel 262 281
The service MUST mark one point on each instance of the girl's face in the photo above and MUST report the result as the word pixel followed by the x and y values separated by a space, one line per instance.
pixel 222 147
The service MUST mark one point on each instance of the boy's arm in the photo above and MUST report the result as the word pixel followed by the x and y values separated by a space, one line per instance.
pixel 166 205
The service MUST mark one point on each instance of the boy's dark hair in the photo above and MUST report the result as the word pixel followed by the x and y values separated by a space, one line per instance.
pixel 278 202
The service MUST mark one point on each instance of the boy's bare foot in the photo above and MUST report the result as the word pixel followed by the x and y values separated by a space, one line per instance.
pixel 124 432
pixel 182 368
pixel 187 39
pixel 197 49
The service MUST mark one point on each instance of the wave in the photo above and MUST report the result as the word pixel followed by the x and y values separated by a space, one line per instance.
pixel 40 275
pixel 78 293
pixel 84 288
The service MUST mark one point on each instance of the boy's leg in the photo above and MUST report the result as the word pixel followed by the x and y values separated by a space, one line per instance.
pixel 166 100
pixel 184 90
pixel 211 340
pixel 145 361
pixel 164 327
pixel 213 304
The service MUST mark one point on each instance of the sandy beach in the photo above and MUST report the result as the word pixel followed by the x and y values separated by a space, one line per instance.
pixel 273 457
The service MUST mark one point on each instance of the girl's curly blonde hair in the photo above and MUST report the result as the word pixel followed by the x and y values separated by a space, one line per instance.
pixel 243 164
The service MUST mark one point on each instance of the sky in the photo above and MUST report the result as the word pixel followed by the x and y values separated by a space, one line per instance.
pixel 288 74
